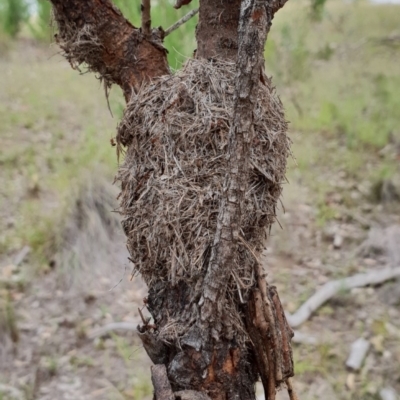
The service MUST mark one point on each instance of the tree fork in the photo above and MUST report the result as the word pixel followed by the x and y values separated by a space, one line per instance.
pixel 96 33
pixel 212 367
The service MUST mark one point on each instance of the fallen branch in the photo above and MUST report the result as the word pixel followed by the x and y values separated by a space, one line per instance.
pixel 177 24
pixel 303 338
pixel 114 326
pixel 330 289
pixel 20 257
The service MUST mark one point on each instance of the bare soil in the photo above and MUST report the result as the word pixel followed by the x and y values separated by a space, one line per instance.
pixel 60 353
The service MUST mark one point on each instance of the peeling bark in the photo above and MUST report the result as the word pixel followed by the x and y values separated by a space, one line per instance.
pixel 267 324
pixel 252 35
pixel 162 387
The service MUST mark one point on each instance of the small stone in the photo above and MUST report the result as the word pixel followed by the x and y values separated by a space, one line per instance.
pixel 359 350
pixel 388 393
pixel 337 241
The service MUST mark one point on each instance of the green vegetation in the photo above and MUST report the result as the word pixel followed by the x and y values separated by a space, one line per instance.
pixel 48 145
pixel 321 69
pixel 40 25
pixel 8 319
pixel 342 113
pixel 337 77
pixel 13 13
pixel 180 44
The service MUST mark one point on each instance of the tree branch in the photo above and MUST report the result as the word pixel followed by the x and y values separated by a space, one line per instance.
pixel 184 19
pixel 146 18
pixel 96 33
pixel 180 3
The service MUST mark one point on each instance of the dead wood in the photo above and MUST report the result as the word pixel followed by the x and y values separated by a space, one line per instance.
pixel 21 255
pixel 304 338
pixel 330 289
pixel 162 387
pixel 271 337
pixel 113 327
pixel 179 23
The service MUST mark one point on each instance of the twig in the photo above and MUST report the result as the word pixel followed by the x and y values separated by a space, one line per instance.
pixel 20 257
pixel 146 18
pixel 114 326
pixel 177 24
pixel 302 338
pixel 330 289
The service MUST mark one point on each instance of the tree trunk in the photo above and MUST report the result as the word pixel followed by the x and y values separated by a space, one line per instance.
pixel 217 30
pixel 213 359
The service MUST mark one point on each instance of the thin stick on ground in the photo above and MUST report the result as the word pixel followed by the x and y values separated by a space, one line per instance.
pixel 177 24
pixel 115 326
pixel 330 289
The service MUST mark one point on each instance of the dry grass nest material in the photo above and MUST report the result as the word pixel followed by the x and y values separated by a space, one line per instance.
pixel 81 46
pixel 175 131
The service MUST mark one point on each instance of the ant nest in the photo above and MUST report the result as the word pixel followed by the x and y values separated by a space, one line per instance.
pixel 175 132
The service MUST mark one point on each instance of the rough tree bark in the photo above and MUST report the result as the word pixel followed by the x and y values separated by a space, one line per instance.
pixel 96 33
pixel 207 363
